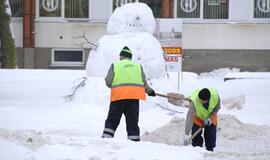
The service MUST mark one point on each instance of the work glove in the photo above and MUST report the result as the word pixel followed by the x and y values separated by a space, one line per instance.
pixel 207 122
pixel 152 93
pixel 186 140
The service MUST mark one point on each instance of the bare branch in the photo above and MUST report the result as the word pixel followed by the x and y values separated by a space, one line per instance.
pixel 86 41
pixel 70 97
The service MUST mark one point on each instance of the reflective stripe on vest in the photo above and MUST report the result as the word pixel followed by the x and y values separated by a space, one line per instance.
pixel 127 82
pixel 201 112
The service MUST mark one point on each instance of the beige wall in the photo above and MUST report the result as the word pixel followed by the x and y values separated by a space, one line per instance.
pixel 226 36
pixel 60 35
pixel 47 34
pixel 195 36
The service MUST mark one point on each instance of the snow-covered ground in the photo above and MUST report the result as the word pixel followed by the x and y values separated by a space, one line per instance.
pixel 38 121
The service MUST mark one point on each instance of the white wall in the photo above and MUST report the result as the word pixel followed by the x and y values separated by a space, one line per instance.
pixel 101 10
pixel 226 36
pixel 241 10
pixel 48 33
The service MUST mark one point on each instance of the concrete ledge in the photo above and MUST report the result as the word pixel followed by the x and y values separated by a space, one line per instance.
pixel 207 60
pixel 247 75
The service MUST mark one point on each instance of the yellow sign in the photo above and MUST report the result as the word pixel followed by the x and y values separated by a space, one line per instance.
pixel 172 50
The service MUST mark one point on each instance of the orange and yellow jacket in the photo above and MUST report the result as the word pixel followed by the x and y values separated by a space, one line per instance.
pixel 127 81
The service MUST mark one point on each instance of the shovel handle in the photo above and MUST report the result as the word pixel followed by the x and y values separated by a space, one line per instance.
pixel 166 96
pixel 195 134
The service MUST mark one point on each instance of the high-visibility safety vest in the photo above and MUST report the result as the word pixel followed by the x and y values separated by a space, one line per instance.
pixel 127 82
pixel 201 112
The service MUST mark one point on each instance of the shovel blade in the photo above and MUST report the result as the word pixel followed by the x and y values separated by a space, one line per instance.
pixel 178 99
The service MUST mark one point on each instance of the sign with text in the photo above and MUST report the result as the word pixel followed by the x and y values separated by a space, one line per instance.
pixel 169 33
pixel 172 50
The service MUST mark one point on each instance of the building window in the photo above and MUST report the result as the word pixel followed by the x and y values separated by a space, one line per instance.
pixel 16 8
pixel 155 5
pixel 74 57
pixel 76 9
pixel 188 8
pixel 119 3
pixel 216 9
pixel 64 8
pixel 261 8
pixel 116 4
pixel 210 9
pixel 50 8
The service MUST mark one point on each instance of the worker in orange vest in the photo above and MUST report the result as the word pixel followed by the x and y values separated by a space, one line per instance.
pixel 202 113
pixel 128 85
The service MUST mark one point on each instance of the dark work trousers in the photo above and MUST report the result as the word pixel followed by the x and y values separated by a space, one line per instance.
pixel 128 107
pixel 209 136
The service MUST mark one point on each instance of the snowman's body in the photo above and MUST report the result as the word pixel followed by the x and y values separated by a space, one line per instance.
pixel 131 25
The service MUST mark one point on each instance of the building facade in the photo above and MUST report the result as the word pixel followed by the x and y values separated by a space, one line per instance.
pixel 216 33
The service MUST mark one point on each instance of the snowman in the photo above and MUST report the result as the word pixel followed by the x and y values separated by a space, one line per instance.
pixel 131 25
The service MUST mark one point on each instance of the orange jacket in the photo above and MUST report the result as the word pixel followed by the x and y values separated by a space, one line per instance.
pixel 199 122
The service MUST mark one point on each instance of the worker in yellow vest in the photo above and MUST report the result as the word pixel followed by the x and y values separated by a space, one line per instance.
pixel 128 85
pixel 203 109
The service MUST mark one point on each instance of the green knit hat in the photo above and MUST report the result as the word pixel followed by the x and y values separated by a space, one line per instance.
pixel 126 52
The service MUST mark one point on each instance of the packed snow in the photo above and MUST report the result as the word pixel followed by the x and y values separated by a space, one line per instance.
pixel 145 49
pixel 60 114
pixel 132 18
pixel 38 120
pixel 128 26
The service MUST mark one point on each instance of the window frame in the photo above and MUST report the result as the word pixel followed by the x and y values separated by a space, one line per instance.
pixel 16 17
pixel 230 19
pixel 62 17
pixel 188 19
pixel 228 11
pixel 128 1
pixel 201 19
pixel 156 16
pixel 253 14
pixel 67 63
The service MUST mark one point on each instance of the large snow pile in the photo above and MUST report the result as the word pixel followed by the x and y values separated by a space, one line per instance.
pixel 234 102
pixel 232 138
pixel 134 33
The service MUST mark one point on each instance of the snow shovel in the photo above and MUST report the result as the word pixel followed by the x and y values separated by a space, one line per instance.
pixel 195 134
pixel 174 98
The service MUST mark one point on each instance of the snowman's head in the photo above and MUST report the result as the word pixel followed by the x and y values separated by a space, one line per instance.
pixel 132 17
